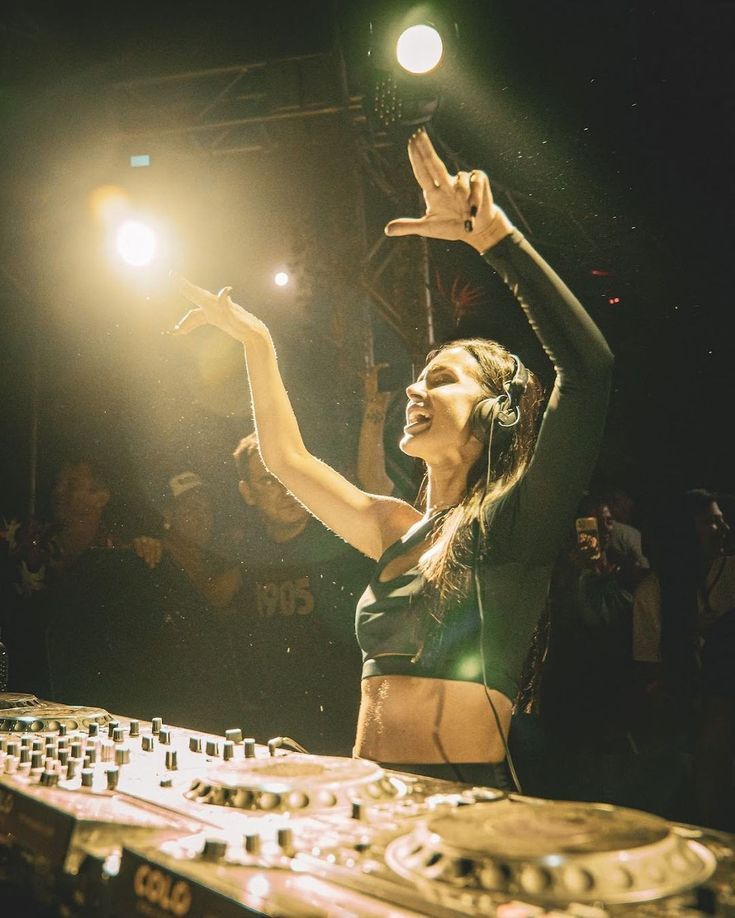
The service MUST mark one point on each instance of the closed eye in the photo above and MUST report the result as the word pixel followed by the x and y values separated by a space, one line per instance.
pixel 441 379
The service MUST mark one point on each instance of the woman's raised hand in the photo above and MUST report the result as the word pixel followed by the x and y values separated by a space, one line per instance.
pixel 458 207
pixel 216 309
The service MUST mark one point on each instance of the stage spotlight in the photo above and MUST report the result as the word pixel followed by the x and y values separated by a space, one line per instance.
pixel 136 243
pixel 409 51
pixel 281 279
pixel 419 49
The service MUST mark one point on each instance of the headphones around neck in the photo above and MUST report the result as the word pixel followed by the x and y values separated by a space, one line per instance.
pixel 504 409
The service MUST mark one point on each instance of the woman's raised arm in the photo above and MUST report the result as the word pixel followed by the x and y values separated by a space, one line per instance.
pixel 368 522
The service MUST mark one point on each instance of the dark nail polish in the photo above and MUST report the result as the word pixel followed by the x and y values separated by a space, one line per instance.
pixel 473 210
pixel 468 226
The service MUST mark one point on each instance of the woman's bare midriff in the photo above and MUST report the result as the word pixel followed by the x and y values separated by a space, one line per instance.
pixel 408 719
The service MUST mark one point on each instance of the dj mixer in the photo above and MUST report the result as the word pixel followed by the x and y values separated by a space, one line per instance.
pixel 106 815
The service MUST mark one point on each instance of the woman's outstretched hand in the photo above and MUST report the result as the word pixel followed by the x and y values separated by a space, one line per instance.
pixel 458 207
pixel 216 309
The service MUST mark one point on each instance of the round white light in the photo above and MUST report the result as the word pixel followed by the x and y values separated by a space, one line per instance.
pixel 136 243
pixel 280 279
pixel 419 49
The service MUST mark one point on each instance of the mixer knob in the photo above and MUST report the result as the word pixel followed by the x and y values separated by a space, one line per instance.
pixel 164 736
pixel 212 747
pixel 37 744
pixel 49 778
pixel 249 747
pixel 87 777
pixel 156 724
pixel 234 735
pixel 108 751
pixel 285 840
pixel 25 754
pixel 195 744
pixel 76 750
pixel 50 750
pixel 172 757
pixel 71 768
pixel 252 843
pixel 25 740
pixel 63 756
pixel 111 727
pixel 91 752
pixel 62 742
pixel 62 729
pixel 147 743
pixel 535 880
pixel 118 735
pixel 228 750
pixel 13 748
pixel 134 729
pixel 577 879
pixel 214 849
pixel 93 729
pixel 166 781
pixel 10 765
pixel 36 759
pixel 358 811
pixel 122 755
pixel 113 776
pixel 297 800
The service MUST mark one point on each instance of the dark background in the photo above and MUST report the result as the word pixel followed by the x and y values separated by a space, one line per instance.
pixel 610 123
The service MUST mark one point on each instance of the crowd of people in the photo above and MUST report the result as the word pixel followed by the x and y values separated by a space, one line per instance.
pixel 516 630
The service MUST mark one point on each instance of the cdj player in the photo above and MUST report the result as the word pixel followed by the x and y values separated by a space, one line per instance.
pixel 105 815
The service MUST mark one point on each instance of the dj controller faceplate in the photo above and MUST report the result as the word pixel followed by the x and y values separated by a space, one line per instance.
pixel 104 815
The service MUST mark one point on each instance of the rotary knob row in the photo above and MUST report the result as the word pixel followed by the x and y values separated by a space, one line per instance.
pixel 216 848
pixel 212 748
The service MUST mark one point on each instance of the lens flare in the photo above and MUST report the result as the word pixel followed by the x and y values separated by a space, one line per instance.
pixel 419 49
pixel 137 244
pixel 280 279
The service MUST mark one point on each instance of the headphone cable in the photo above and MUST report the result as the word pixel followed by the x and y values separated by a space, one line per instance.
pixel 481 610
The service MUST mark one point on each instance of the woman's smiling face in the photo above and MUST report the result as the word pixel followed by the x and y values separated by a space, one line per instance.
pixel 440 404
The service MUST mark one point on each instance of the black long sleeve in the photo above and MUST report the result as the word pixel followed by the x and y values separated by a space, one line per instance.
pixel 571 430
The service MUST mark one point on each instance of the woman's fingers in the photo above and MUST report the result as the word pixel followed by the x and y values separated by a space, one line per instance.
pixel 195 318
pixel 478 185
pixel 433 227
pixel 407 226
pixel 196 295
pixel 424 153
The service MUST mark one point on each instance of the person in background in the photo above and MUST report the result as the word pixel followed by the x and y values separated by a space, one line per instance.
pixel 684 631
pixel 144 639
pixel 300 668
pixel 39 555
pixel 625 539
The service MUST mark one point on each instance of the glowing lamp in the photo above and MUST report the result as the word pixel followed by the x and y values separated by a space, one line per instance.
pixel 419 49
pixel 137 244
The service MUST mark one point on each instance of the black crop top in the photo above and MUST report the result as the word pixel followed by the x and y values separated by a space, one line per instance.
pixel 527 525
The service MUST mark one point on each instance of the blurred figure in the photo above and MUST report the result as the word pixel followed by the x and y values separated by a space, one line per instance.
pixel 39 554
pixel 625 538
pixel 685 616
pixel 299 664
pixel 143 638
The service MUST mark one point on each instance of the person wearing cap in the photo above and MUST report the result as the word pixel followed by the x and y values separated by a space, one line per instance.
pixel 293 617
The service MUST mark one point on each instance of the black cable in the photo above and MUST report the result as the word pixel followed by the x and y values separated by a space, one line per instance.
pixel 481 610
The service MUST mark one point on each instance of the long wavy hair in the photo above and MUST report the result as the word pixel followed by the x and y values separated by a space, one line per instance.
pixel 447 564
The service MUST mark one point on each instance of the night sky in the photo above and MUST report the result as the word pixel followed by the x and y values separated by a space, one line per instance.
pixel 609 125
